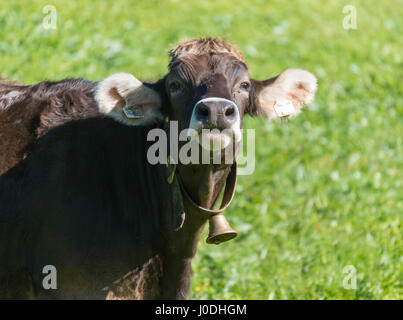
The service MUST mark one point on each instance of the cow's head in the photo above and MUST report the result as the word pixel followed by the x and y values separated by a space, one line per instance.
pixel 208 86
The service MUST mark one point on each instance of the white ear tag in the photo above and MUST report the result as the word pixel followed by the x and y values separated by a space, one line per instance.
pixel 284 108
pixel 133 112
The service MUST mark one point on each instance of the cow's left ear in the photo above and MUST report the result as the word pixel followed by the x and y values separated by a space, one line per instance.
pixel 124 98
pixel 284 95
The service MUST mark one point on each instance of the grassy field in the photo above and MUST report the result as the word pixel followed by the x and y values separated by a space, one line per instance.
pixel 327 191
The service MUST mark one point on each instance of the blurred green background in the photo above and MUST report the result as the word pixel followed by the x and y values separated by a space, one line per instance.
pixel 327 191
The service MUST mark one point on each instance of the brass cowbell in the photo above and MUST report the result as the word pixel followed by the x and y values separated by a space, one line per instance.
pixel 219 230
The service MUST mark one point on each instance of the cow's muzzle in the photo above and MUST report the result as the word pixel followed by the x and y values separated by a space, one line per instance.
pixel 215 123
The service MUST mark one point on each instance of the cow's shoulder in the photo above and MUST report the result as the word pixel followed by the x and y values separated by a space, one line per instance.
pixel 29 111
pixel 62 102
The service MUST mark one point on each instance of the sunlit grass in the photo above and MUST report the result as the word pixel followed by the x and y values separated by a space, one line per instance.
pixel 327 191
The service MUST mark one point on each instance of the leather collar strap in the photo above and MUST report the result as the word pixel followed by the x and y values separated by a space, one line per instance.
pixel 175 180
pixel 227 198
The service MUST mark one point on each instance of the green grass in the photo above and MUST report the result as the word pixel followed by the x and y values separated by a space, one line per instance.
pixel 327 191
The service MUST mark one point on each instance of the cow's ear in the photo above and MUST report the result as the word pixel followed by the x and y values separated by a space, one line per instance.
pixel 126 99
pixel 284 95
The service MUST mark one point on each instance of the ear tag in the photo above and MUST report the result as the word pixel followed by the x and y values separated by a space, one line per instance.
pixel 284 108
pixel 133 112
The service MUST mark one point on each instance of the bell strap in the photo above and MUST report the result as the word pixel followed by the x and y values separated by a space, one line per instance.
pixel 229 193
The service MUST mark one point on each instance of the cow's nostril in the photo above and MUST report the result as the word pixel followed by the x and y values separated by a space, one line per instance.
pixel 230 111
pixel 203 111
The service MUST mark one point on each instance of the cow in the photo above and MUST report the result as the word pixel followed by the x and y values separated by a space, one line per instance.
pixel 79 196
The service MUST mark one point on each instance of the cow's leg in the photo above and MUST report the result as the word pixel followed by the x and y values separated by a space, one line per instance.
pixel 177 278
pixel 177 263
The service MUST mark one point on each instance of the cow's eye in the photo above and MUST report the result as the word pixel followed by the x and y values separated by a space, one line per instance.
pixel 175 86
pixel 245 85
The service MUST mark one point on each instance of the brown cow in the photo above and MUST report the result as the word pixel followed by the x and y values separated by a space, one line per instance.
pixel 78 191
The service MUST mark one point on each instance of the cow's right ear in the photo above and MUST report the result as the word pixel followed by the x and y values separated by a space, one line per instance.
pixel 126 99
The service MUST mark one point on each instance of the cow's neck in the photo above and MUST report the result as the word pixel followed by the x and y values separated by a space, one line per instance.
pixel 204 184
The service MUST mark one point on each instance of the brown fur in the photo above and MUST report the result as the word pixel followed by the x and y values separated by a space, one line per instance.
pixel 79 192
pixel 37 109
pixel 140 284
pixel 208 46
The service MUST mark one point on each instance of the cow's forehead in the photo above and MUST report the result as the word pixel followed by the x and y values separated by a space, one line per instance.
pixel 192 67
pixel 209 46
